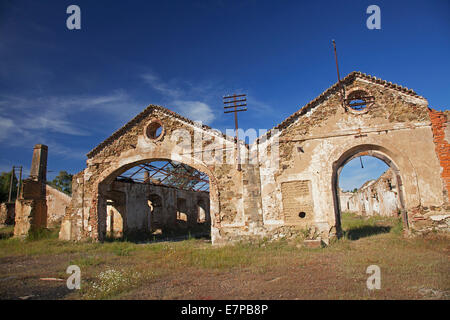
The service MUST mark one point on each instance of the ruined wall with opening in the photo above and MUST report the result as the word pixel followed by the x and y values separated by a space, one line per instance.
pixel 375 197
pixel 152 209
pixel 131 145
pixel 317 141
pixel 31 204
pixel 57 203
pixel 291 182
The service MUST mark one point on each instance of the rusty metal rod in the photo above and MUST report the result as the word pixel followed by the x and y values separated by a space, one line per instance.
pixel 339 77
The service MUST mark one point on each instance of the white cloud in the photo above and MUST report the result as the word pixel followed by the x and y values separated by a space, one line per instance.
pixel 27 120
pixel 162 87
pixel 354 176
pixel 190 106
pixel 194 110
pixel 6 126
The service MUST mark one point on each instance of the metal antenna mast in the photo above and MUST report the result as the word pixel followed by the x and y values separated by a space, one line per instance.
pixel 339 77
pixel 238 101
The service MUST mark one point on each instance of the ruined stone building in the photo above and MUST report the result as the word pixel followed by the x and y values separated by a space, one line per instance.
pixel 140 208
pixel 289 179
pixel 375 197
pixel 38 204
pixel 132 207
pixel 56 201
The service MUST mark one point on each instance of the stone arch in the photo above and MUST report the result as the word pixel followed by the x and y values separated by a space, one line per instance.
pixel 393 159
pixel 122 164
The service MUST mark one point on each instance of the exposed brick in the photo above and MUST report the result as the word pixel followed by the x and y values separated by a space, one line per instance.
pixel 439 124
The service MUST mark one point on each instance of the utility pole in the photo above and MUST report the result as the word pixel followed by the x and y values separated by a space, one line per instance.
pixel 20 181
pixel 13 173
pixel 237 102
pixel 11 184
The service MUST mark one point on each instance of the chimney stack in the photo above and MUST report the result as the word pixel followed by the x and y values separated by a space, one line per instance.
pixel 38 170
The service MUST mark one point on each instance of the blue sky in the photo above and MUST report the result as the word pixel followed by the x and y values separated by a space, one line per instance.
pixel 70 89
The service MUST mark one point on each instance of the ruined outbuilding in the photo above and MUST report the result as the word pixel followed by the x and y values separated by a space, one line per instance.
pixel 144 208
pixel 289 178
pixel 375 198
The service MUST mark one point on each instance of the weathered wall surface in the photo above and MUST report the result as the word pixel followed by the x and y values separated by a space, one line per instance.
pixel 57 203
pixel 279 193
pixel 317 141
pixel 435 217
pixel 86 216
pixel 31 204
pixel 7 213
pixel 376 197
pixel 149 207
pixel 441 135
pixel 344 198
pixel 30 208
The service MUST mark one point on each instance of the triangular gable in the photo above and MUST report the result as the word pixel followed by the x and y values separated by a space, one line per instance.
pixel 310 105
pixel 140 117
pixel 335 88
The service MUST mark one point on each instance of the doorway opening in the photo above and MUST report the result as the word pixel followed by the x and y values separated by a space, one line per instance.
pixel 159 200
pixel 368 193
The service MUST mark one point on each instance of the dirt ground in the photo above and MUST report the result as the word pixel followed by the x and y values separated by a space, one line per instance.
pixel 411 268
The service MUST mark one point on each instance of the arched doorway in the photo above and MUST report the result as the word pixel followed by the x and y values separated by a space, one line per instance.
pixel 159 198
pixel 359 151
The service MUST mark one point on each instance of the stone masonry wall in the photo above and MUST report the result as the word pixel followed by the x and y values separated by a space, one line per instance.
pixel 138 215
pixel 262 199
pixel 376 197
pixel 57 203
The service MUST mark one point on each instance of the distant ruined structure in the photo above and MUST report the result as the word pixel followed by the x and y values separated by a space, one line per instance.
pixel 38 205
pixel 31 203
pixel 289 178
pixel 375 197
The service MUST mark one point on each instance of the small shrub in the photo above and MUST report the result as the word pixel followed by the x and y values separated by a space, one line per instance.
pixel 41 234
pixel 112 282
pixel 397 228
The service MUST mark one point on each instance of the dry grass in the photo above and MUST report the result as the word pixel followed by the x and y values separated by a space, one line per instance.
pixel 193 269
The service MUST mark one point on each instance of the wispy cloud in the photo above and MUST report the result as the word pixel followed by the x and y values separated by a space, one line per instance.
pixel 200 101
pixel 195 110
pixel 27 120
pixel 162 87
pixel 183 97
pixel 354 176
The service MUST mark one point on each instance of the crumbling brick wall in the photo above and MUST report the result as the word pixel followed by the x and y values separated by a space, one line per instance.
pixel 441 137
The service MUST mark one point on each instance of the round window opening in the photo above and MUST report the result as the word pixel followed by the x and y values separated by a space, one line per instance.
pixel 359 100
pixel 154 130
pixel 302 215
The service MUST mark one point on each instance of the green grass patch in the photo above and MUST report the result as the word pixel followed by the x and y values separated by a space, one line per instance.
pixel 6 232
pixel 356 227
